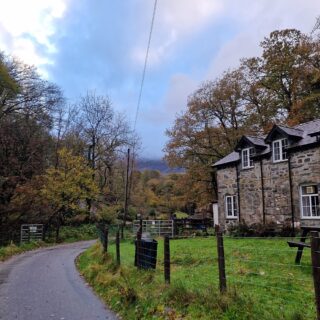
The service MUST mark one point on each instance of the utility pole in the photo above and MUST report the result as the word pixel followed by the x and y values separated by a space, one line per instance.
pixel 125 214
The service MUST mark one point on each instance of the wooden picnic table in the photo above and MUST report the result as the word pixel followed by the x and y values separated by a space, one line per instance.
pixel 302 243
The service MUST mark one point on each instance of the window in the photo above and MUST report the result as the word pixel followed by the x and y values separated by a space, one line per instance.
pixel 247 162
pixel 310 201
pixel 231 207
pixel 279 150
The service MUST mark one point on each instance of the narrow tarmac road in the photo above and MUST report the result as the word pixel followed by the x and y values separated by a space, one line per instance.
pixel 45 285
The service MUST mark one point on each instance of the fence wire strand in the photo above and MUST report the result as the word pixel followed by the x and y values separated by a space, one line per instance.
pixel 235 258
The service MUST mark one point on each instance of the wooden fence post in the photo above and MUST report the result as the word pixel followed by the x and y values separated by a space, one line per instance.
pixel 118 247
pixel 105 238
pixel 221 260
pixel 315 260
pixel 167 259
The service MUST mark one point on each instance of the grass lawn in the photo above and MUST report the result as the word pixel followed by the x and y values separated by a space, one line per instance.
pixel 263 281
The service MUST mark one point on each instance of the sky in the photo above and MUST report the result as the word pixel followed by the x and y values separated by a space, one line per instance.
pixel 100 45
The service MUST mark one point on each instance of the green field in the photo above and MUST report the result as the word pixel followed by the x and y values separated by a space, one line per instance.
pixel 263 281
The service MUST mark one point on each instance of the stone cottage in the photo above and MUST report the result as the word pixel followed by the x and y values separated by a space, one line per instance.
pixel 272 179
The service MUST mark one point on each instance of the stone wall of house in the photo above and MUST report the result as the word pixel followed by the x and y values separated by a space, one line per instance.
pixel 227 185
pixel 305 169
pixel 250 194
pixel 276 192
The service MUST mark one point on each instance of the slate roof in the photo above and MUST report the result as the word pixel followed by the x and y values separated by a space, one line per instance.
pixel 230 158
pixel 292 131
pixel 304 132
pixel 258 141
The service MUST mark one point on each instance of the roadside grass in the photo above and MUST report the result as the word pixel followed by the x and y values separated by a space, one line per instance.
pixel 68 234
pixel 263 281
pixel 12 249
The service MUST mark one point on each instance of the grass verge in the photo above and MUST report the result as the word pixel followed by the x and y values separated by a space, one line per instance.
pixel 12 249
pixel 263 282
pixel 68 234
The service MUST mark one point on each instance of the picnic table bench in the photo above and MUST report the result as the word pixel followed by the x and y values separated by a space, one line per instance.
pixel 302 243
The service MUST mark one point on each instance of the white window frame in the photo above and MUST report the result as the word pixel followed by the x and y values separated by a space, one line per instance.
pixel 246 161
pixel 309 196
pixel 234 207
pixel 283 156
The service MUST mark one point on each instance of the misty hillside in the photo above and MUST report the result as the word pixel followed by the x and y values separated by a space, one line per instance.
pixel 160 165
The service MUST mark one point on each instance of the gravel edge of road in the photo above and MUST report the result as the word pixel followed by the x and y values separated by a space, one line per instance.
pixel 91 288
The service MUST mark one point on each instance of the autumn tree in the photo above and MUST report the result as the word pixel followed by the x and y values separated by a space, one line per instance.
pixel 206 131
pixel 26 105
pixel 68 186
pixel 282 83
pixel 26 91
pixel 280 86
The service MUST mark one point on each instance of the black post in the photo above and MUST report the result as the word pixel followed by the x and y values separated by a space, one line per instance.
pixel 138 247
pixel 167 259
pixel 221 260
pixel 118 247
pixel 315 259
pixel 105 238
pixel 174 222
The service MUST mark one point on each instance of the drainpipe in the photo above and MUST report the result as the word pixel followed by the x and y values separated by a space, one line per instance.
pixel 291 194
pixel 262 193
pixel 238 190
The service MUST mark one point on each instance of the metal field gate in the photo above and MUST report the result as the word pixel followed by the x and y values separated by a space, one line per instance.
pixel 155 227
pixel 31 232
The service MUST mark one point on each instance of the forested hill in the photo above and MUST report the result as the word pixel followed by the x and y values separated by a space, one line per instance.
pixel 157 164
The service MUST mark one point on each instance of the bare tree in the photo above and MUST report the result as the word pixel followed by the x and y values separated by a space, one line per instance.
pixel 106 134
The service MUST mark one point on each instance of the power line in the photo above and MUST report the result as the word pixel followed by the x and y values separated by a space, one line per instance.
pixel 145 63
pixel 140 96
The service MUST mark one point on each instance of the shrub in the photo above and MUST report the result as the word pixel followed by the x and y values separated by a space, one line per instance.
pixel 259 230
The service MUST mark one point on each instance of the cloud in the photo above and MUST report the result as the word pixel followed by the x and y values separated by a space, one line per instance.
pixel 175 100
pixel 101 44
pixel 176 21
pixel 255 24
pixel 26 28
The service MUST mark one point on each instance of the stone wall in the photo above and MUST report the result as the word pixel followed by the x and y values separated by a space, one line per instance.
pixel 305 169
pixel 276 192
pixel 250 194
pixel 227 185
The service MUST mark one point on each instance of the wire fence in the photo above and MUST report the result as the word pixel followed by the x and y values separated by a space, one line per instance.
pixel 258 268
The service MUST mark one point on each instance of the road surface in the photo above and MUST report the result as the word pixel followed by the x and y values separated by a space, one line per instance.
pixel 45 285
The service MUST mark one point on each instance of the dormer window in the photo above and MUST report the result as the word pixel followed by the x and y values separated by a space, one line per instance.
pixel 279 150
pixel 246 154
